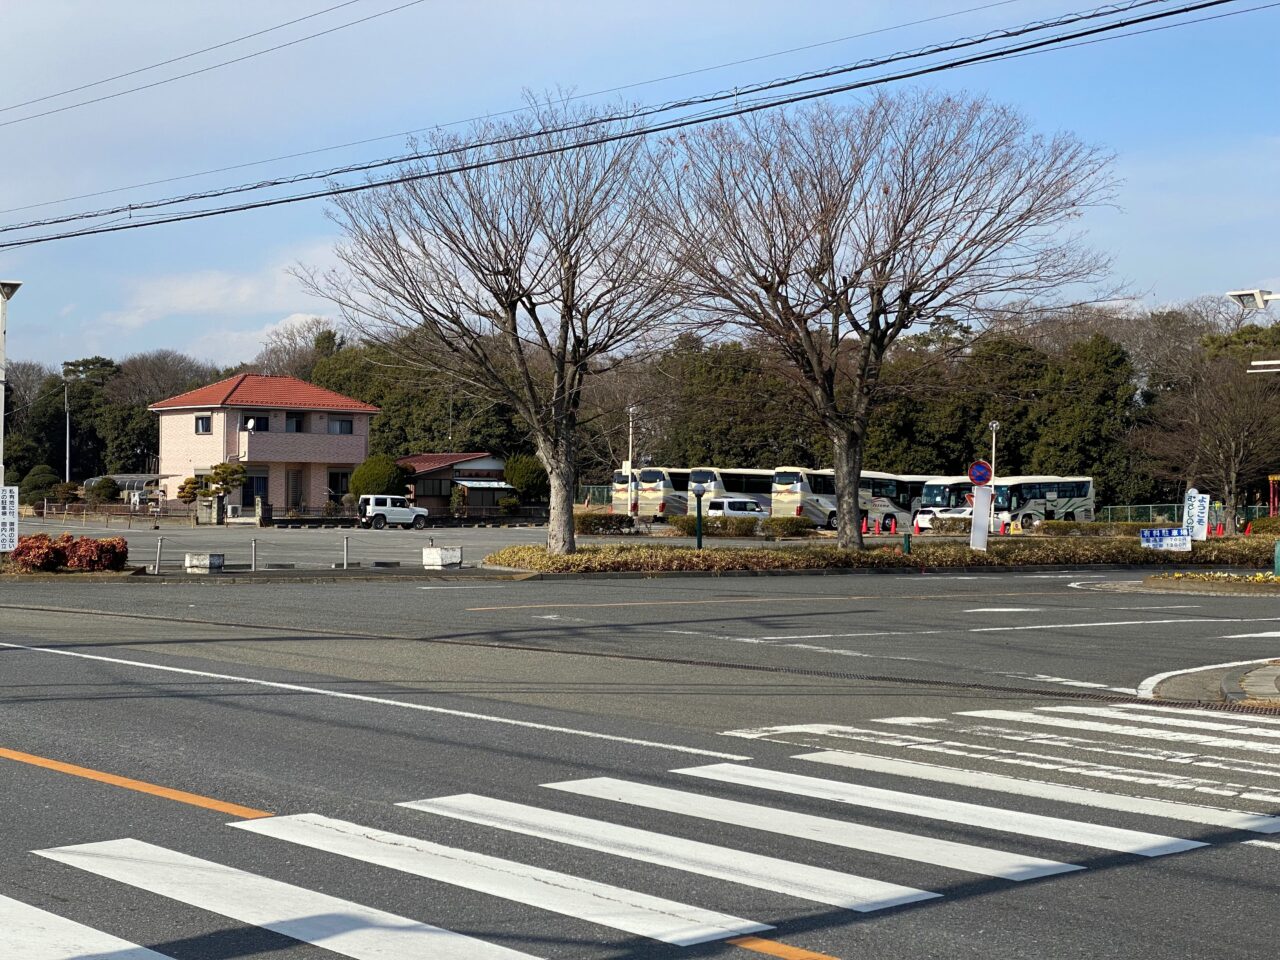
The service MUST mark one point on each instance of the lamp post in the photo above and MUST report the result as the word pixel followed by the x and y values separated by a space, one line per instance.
pixel 993 426
pixel 699 491
pixel 8 289
pixel 1256 300
pixel 633 502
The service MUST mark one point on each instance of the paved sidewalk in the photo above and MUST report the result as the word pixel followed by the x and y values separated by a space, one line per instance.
pixel 1262 683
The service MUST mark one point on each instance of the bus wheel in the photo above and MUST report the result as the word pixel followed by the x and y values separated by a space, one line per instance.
pixel 1069 516
pixel 833 522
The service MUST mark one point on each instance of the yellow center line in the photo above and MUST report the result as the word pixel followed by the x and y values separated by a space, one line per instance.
pixel 680 603
pixel 141 786
pixel 774 949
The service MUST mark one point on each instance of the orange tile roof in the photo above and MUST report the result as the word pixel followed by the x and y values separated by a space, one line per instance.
pixel 429 462
pixel 260 392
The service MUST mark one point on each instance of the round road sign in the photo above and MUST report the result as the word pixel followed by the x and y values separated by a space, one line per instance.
pixel 980 473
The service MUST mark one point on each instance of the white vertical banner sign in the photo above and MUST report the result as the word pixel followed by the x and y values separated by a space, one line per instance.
pixel 1197 520
pixel 8 518
pixel 1188 507
pixel 981 516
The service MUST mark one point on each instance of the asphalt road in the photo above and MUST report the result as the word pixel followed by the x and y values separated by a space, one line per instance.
pixel 873 766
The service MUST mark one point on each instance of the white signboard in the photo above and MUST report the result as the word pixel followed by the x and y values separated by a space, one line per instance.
pixel 1196 519
pixel 981 517
pixel 1168 538
pixel 8 518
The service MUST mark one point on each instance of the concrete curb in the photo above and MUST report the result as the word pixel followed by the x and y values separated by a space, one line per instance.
pixel 1212 587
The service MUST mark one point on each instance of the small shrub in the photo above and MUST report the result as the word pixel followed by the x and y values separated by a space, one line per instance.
pixel 189 490
pixel 380 474
pixel 716 526
pixel 1074 528
pixel 331 508
pixel 508 506
pixel 35 486
pixel 65 493
pixel 1269 526
pixel 950 526
pixel 90 553
pixel 786 526
pixel 38 552
pixel 602 523
pixel 106 490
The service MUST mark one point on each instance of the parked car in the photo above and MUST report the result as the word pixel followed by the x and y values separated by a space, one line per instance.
pixel 735 508
pixel 378 511
pixel 927 515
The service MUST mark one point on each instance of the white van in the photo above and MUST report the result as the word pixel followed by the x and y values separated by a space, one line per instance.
pixel 736 508
pixel 378 511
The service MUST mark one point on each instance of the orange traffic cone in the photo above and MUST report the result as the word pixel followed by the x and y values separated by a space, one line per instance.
pixel 1221 528
pixel 893 524
pixel 864 526
pixel 877 526
pixel 1248 529
pixel 915 527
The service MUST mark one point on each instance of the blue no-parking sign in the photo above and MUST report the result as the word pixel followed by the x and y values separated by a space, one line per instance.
pixel 980 473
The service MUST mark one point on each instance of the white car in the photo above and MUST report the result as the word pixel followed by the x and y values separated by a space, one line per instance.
pixel 378 511
pixel 926 515
pixel 735 508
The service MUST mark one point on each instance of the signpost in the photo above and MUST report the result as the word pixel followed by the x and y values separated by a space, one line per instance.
pixel 980 473
pixel 1195 514
pixel 1167 538
pixel 8 519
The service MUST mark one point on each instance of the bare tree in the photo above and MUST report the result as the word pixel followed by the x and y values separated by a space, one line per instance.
pixel 294 349
pixel 25 378
pixel 521 275
pixel 831 231
pixel 154 375
pixel 1218 428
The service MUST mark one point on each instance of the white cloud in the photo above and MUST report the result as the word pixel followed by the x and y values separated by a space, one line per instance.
pixel 219 293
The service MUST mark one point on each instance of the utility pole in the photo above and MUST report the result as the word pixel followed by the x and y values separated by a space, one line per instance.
pixel 66 409
pixel 8 288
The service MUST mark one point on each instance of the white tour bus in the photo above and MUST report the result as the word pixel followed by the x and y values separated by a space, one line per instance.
pixel 945 497
pixel 662 492
pixel 623 499
pixel 805 492
pixel 911 489
pixel 1028 500
pixel 754 485
pixel 890 494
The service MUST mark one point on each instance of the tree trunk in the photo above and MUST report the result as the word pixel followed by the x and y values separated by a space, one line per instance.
pixel 560 537
pixel 848 463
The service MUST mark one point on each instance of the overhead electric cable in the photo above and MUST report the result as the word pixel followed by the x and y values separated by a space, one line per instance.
pixel 214 66
pixel 178 59
pixel 493 115
pixel 737 93
pixel 709 116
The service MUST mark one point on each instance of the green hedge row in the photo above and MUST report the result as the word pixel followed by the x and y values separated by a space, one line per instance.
pixel 1247 552
pixel 602 523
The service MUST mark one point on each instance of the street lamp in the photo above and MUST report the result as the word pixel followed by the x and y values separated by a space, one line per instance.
pixel 1256 300
pixel 699 491
pixel 633 502
pixel 993 426
pixel 8 289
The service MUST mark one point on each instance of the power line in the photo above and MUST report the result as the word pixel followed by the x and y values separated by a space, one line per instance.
pixel 185 56
pixel 215 66
pixel 487 116
pixel 134 209
pixel 1041 45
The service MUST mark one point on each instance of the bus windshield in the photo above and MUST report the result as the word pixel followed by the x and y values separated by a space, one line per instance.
pixel 787 478
pixel 702 476
pixel 619 479
pixel 942 495
pixel 1002 497
pixel 651 476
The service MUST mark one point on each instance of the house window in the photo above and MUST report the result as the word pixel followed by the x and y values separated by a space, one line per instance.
pixel 344 426
pixel 339 484
pixel 204 424
pixel 294 422
pixel 261 422
pixel 424 487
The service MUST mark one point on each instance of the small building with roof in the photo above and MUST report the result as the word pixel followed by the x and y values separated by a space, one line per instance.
pixel 298 442
pixel 436 474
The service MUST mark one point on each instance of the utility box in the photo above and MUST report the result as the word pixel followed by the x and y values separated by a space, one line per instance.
pixel 204 562
pixel 441 558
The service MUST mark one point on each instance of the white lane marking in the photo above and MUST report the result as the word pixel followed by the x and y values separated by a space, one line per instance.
pixel 562 893
pixel 982 780
pixel 1127 623
pixel 346 928
pixel 1161 606
pixel 1223 726
pixel 1193 712
pixel 1065 682
pixel 381 701
pixel 692 856
pixel 1005 610
pixel 30 933
pixel 832 636
pixel 1246 636
pixel 493 587
pixel 1262 843
pixel 556 616
pixel 912 721
pixel 1147 688
pixel 949 811
pixel 855 836
pixel 1045 761
pixel 1149 733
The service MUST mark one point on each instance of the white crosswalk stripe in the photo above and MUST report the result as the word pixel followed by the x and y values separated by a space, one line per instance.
pixel 1211 816
pixel 29 933
pixel 626 910
pixel 945 853
pixel 693 856
pixel 341 926
pixel 1221 723
pixel 951 811
pixel 1125 729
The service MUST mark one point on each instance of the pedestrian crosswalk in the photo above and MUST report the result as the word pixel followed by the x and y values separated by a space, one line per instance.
pixel 895 813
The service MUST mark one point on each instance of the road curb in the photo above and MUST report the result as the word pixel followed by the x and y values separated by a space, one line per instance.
pixel 1253 683
pixel 839 571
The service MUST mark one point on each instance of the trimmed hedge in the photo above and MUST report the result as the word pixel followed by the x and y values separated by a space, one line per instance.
pixel 602 523
pixel 786 527
pixel 716 526
pixel 42 553
pixel 950 526
pixel 1267 525
pixel 1076 528
pixel 1250 552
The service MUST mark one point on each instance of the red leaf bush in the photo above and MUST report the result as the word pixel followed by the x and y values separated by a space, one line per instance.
pixel 42 553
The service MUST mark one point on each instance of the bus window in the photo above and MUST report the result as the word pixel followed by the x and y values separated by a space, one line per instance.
pixel 619 479
pixel 651 476
pixel 786 478
pixel 822 484
pixel 702 476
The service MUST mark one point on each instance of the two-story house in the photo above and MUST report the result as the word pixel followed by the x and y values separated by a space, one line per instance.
pixel 298 442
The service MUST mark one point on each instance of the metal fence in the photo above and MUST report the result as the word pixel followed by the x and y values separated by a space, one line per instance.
pixel 594 494
pixel 1170 513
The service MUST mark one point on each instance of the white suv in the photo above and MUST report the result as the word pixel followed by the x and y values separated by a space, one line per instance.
pixel 378 511
pixel 735 508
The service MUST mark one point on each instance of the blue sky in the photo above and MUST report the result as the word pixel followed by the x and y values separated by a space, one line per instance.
pixel 1192 114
